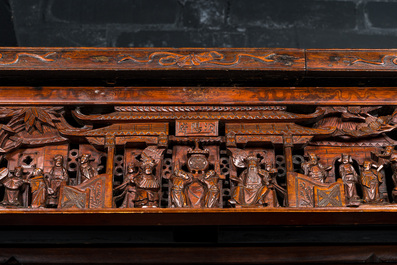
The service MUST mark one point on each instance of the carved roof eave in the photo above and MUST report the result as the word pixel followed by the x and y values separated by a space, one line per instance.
pixel 121 130
pixel 172 113
pixel 275 129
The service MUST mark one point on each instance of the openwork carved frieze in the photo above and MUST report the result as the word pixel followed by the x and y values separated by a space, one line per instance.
pixel 197 130
pixel 330 156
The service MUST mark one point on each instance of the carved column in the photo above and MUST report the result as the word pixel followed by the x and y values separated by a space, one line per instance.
pixel 288 144
pixel 111 148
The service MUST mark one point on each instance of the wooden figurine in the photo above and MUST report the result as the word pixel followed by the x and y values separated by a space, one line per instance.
pixel 14 183
pixel 87 171
pixel 387 157
pixel 314 169
pixel 56 177
pixel 38 186
pixel 147 181
pixel 350 178
pixel 370 180
pixel 128 188
pixel 180 179
pixel 393 164
pixel 199 187
pixel 255 186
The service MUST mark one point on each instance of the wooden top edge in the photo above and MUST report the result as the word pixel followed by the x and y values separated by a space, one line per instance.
pixel 191 64
pixel 386 215
pixel 143 49
pixel 149 59
pixel 355 60
pixel 391 208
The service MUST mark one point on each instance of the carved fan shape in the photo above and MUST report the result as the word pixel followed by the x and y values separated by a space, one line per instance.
pixel 152 152
pixel 239 157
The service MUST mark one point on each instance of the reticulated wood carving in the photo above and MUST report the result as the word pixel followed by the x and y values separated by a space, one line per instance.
pixel 196 146
pixel 198 157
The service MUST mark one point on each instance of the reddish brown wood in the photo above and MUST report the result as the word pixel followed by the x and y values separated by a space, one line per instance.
pixel 188 145
pixel 347 60
pixel 112 59
pixel 204 96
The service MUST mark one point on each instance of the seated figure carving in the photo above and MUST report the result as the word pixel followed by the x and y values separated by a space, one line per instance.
pixel 314 169
pixel 14 183
pixel 199 187
pixel 254 185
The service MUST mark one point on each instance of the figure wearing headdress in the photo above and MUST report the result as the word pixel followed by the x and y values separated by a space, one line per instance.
pixel 350 178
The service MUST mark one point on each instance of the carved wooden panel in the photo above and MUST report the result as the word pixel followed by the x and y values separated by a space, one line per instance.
pixel 122 147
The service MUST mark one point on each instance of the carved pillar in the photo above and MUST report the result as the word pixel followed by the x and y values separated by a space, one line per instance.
pixel 288 144
pixel 111 148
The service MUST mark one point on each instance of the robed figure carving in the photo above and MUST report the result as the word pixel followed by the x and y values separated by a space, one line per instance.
pixel 350 178
pixel 38 186
pixel 58 175
pixel 255 186
pixel 141 185
pixel 87 171
pixel 370 181
pixel 128 188
pixel 13 182
pixel 180 179
pixel 314 169
pixel 199 186
pixel 385 158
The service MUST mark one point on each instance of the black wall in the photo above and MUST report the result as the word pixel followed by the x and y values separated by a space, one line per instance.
pixel 199 23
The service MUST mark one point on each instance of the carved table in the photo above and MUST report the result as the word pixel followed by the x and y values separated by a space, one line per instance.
pixel 124 137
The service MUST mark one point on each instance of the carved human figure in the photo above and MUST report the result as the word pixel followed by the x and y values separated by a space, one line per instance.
pixel 128 188
pixel 199 187
pixel 350 178
pixel 212 197
pixel 38 189
pixel 387 157
pixel 315 170
pixel 393 165
pixel 254 185
pixel 179 181
pixel 13 183
pixel 58 175
pixel 370 181
pixel 148 186
pixel 87 171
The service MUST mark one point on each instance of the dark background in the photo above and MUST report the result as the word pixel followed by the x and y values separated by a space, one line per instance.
pixel 199 23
